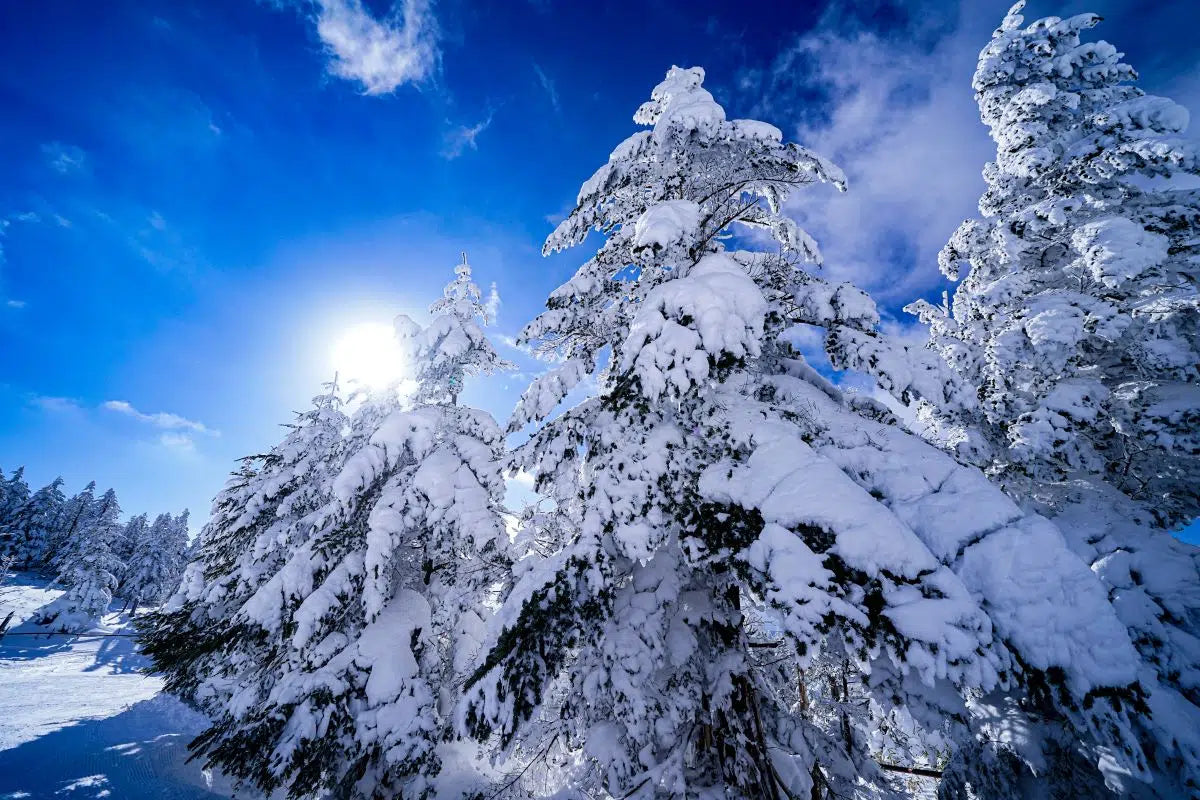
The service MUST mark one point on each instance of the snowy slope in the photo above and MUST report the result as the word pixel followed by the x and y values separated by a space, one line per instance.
pixel 79 720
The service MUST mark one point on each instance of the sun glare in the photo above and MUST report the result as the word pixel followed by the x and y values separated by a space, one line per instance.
pixel 369 354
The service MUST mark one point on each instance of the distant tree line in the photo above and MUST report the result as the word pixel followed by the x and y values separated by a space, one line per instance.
pixel 92 554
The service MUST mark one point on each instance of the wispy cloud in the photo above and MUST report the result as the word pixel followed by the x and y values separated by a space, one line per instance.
pixel 178 442
pixel 63 158
pixel 55 405
pixel 164 247
pixel 381 55
pixel 28 217
pixel 460 139
pixel 160 419
pixel 897 113
pixel 511 343
pixel 548 86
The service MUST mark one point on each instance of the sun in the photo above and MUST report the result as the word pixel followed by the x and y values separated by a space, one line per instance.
pixel 369 355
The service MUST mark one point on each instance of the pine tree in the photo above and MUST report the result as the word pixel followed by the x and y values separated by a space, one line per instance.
pixel 14 494
pixel 29 533
pixel 126 542
pixel 88 569
pixel 1067 368
pixel 133 533
pixel 260 514
pixel 454 345
pixel 3 493
pixel 179 550
pixel 14 498
pixel 156 559
pixel 369 614
pixel 76 516
pixel 180 528
pixel 1077 313
pixel 716 479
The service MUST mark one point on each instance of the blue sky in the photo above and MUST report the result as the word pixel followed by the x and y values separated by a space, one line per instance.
pixel 199 198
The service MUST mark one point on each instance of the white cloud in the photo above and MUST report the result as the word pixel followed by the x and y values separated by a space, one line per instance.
pixel 548 85
pixel 27 217
pixel 161 419
pixel 511 343
pixel 162 246
pixel 897 113
pixel 63 158
pixel 381 55
pixel 15 303
pixel 178 442
pixel 56 405
pixel 457 141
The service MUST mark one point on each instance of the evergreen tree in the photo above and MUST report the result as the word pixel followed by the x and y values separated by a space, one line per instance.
pixel 156 560
pixel 28 534
pixel 717 478
pixel 14 494
pixel 1077 313
pixel 260 514
pixel 369 612
pixel 1067 368
pixel 77 515
pixel 124 546
pixel 88 569
pixel 14 497
pixel 133 533
pixel 179 530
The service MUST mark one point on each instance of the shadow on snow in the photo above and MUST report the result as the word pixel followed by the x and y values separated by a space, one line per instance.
pixel 138 754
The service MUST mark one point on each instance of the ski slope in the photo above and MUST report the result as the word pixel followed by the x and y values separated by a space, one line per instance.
pixel 78 719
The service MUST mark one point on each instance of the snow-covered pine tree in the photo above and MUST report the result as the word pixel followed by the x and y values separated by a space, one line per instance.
pixel 155 561
pixel 28 534
pixel 180 551
pixel 3 494
pixel 77 514
pixel 185 636
pixel 260 515
pixel 369 624
pixel 180 529
pixel 88 569
pixel 1067 364
pixel 716 475
pixel 1077 315
pixel 133 532
pixel 14 494
pixel 454 345
pixel 125 544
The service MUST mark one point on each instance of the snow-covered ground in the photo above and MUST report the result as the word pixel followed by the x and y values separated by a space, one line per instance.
pixel 78 719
